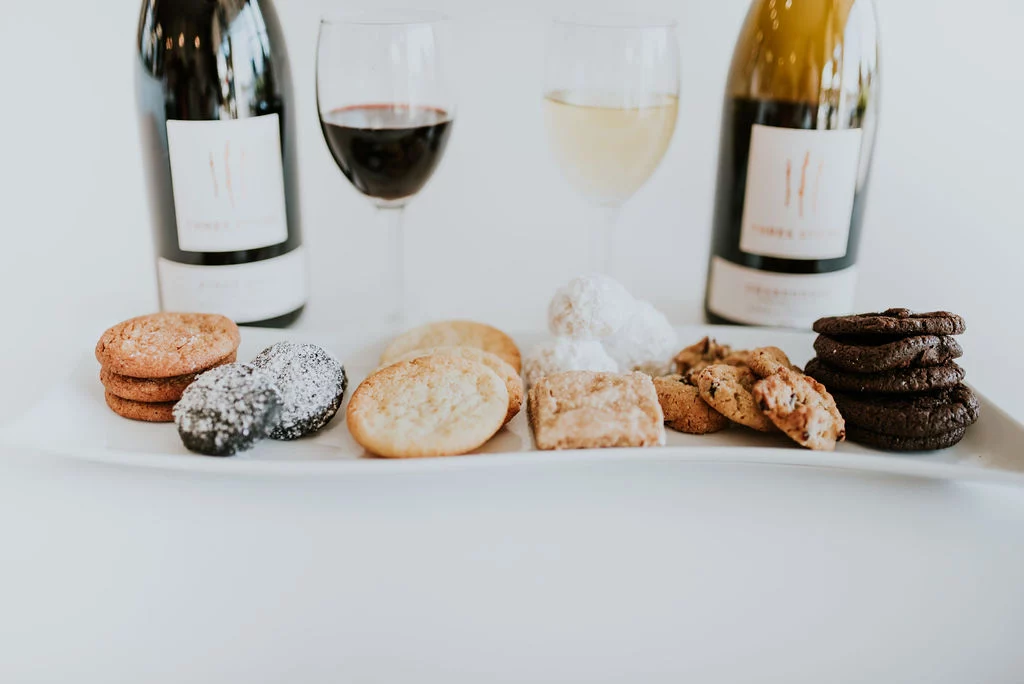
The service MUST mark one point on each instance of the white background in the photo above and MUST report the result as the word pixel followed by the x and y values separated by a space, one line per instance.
pixel 148 577
pixel 498 228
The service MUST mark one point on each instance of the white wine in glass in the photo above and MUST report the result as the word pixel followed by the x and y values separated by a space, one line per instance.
pixel 611 99
pixel 608 152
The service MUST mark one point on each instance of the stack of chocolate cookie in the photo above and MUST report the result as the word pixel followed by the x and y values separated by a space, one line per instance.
pixel 894 378
pixel 148 362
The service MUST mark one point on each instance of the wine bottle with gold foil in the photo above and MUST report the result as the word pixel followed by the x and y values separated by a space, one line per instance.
pixel 798 130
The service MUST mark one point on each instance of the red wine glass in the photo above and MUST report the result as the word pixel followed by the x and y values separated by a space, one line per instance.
pixel 386 110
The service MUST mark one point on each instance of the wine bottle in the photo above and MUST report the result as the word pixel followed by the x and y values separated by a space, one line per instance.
pixel 798 130
pixel 217 120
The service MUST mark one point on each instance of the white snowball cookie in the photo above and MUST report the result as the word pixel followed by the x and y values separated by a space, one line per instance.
pixel 566 354
pixel 647 342
pixel 590 308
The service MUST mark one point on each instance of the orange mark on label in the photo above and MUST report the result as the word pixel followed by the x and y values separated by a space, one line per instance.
pixel 803 181
pixel 213 177
pixel 789 180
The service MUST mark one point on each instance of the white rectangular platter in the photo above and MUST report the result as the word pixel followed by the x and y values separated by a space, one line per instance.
pixel 73 420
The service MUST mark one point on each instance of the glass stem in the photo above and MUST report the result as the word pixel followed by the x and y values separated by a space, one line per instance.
pixel 393 218
pixel 602 241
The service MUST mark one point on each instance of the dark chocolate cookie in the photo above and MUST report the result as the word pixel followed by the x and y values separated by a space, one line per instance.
pixel 892 322
pixel 312 384
pixel 227 410
pixel 878 353
pixel 902 381
pixel 877 440
pixel 919 415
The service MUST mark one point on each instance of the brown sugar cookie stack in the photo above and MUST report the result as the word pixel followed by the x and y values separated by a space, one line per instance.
pixel 894 377
pixel 147 362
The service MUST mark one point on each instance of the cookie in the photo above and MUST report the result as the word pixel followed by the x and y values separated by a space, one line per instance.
pixel 455 334
pixel 590 308
pixel 566 354
pixel 312 384
pixel 903 381
pixel 737 358
pixel 766 361
pixel 152 389
pixel 430 406
pixel 227 410
pixel 892 322
pixel 919 415
pixel 877 440
pixel 158 412
pixel 645 343
pixel 802 408
pixel 684 410
pixel 513 383
pixel 700 355
pixel 728 390
pixel 880 353
pixel 166 345
pixel 591 410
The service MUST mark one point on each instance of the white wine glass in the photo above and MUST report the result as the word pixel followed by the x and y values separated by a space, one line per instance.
pixel 611 98
pixel 386 109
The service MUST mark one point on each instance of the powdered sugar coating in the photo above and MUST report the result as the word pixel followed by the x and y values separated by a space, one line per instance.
pixel 590 307
pixel 312 383
pixel 566 354
pixel 227 410
pixel 647 342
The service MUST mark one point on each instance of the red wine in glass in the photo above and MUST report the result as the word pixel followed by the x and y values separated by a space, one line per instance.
pixel 387 151
pixel 386 106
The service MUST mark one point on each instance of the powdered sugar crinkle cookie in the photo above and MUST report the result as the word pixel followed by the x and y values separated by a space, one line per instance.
pixel 647 342
pixel 590 307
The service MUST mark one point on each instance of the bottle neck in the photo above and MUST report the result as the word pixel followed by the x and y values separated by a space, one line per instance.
pixel 794 50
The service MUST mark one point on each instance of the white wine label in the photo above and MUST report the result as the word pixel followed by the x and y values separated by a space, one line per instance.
pixel 788 300
pixel 245 293
pixel 228 183
pixel 800 192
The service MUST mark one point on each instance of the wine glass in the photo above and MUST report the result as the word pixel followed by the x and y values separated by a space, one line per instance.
pixel 386 110
pixel 611 96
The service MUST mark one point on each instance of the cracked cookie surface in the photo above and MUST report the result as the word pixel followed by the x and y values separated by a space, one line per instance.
pixel 802 408
pixel 880 353
pixel 429 406
pixel 165 345
pixel 765 361
pixel 455 334
pixel 684 410
pixel 729 390
pixel 513 382
pixel 893 322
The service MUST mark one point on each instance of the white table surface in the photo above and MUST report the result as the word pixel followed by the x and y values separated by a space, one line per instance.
pixel 602 573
